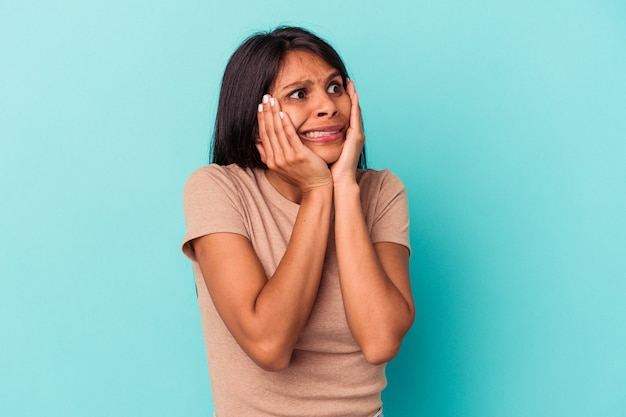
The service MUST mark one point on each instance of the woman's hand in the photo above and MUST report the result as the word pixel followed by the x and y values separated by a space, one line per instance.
pixel 266 314
pixel 284 153
pixel 344 170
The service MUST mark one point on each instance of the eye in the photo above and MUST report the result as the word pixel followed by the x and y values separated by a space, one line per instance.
pixel 334 88
pixel 298 94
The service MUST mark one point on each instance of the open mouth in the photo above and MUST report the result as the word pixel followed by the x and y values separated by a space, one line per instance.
pixel 325 134
pixel 318 134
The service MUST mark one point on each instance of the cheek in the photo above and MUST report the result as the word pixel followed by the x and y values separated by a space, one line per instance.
pixel 296 115
pixel 344 107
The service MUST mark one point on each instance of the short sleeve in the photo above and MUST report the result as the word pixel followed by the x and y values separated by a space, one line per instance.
pixel 389 215
pixel 212 204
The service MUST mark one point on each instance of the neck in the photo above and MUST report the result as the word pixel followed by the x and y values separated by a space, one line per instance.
pixel 285 188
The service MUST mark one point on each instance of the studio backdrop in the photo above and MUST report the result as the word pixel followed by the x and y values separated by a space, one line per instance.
pixel 505 120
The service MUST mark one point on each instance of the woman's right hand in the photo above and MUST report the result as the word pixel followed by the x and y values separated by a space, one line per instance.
pixel 284 153
pixel 265 311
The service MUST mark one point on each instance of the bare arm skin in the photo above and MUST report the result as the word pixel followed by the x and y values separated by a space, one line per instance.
pixel 265 316
pixel 374 277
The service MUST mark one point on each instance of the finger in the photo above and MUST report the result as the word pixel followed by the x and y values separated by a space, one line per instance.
pixel 263 135
pixel 348 160
pixel 356 121
pixel 279 129
pixel 275 135
pixel 281 150
pixel 290 132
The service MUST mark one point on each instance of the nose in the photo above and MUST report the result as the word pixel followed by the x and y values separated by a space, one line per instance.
pixel 325 106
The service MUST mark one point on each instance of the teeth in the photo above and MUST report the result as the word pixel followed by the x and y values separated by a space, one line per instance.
pixel 319 134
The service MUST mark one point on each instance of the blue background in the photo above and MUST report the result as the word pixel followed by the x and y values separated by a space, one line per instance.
pixel 505 120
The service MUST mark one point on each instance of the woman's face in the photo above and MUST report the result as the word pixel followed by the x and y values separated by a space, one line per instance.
pixel 311 92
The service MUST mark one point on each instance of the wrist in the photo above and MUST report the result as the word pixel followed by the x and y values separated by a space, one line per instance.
pixel 346 188
pixel 344 178
pixel 318 192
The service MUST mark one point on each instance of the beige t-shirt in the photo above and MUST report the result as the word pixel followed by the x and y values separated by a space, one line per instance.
pixel 328 374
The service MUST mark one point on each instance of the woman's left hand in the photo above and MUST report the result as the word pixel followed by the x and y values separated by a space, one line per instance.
pixel 344 169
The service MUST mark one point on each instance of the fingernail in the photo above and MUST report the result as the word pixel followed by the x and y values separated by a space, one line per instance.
pixel 272 101
pixel 281 114
pixel 265 98
pixel 260 107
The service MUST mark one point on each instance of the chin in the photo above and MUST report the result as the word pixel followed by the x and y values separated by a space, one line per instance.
pixel 330 155
pixel 329 158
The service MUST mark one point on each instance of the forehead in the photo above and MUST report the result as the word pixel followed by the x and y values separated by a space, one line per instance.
pixel 301 65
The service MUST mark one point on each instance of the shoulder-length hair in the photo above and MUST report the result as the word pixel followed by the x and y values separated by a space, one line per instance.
pixel 249 75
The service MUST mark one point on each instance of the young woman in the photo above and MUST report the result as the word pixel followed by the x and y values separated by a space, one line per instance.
pixel 300 254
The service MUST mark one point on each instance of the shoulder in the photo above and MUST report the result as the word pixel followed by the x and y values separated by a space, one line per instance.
pixel 215 174
pixel 213 202
pixel 217 178
pixel 377 181
pixel 385 206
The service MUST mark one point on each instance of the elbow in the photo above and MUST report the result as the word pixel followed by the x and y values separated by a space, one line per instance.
pixel 380 353
pixel 271 358
pixel 272 364
pixel 383 346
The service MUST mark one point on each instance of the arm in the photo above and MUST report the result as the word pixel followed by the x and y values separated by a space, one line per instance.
pixel 265 316
pixel 376 288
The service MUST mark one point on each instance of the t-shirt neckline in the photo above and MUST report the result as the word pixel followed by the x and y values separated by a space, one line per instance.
pixel 275 196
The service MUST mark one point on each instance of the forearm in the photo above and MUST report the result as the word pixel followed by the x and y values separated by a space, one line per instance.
pixel 284 303
pixel 378 313
pixel 266 314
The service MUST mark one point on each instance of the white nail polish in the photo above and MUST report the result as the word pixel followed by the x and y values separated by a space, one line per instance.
pixel 272 101
pixel 281 114
pixel 260 108
pixel 265 98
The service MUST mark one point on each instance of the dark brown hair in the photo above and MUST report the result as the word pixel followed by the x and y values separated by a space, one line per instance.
pixel 249 75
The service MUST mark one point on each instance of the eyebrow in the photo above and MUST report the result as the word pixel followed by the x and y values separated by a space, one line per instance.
pixel 306 83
